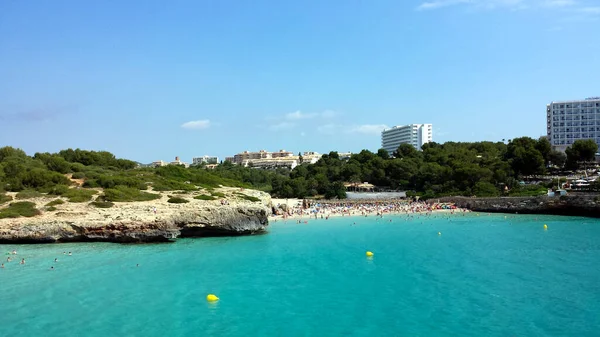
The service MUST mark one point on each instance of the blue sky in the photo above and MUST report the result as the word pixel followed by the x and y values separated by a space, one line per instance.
pixel 151 80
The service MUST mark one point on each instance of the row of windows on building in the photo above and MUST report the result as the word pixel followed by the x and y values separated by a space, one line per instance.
pixel 568 142
pixel 576 118
pixel 584 123
pixel 555 124
pixel 575 129
pixel 583 135
pixel 576 111
pixel 576 105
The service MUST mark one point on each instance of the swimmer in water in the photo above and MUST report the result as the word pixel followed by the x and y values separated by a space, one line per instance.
pixel 56 260
pixel 70 254
pixel 22 261
pixel 8 259
pixel 2 266
pixel 52 268
pixel 137 264
pixel 14 252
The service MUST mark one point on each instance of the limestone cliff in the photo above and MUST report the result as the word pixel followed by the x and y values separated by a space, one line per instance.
pixel 138 222
pixel 574 205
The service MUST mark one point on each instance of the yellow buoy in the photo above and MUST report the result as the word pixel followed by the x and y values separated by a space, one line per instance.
pixel 545 226
pixel 212 298
pixel 369 254
pixel 439 233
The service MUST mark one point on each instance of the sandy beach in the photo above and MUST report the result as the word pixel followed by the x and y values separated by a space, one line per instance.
pixel 327 209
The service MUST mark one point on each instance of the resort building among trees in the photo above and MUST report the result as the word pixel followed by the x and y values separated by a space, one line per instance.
pixel 413 134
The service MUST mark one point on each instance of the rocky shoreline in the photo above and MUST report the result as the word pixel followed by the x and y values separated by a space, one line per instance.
pixel 570 205
pixel 138 223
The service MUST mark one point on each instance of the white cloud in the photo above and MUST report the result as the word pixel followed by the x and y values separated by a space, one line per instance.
pixel 329 114
pixel 559 3
pixel 368 129
pixel 281 126
pixel 328 129
pixel 492 4
pixel 590 10
pixel 439 4
pixel 297 115
pixel 365 129
pixel 196 125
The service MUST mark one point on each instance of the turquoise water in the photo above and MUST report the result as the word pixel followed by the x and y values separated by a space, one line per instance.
pixel 483 276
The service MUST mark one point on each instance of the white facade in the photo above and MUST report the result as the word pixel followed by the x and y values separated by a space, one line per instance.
pixel 568 121
pixel 413 134
pixel 205 160
pixel 271 163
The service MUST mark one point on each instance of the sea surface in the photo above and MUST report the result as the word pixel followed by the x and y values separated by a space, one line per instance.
pixel 470 275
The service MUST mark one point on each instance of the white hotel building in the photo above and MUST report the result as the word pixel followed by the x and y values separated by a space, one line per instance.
pixel 413 134
pixel 568 121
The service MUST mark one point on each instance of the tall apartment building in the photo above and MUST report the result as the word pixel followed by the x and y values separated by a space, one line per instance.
pixel 205 160
pixel 262 154
pixel 568 121
pixel 413 134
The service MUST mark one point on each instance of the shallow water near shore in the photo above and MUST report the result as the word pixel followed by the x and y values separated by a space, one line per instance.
pixel 483 276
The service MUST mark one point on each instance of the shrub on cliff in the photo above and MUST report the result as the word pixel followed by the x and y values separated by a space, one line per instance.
pixel 5 198
pixel 19 209
pixel 55 202
pixel 177 200
pixel 79 194
pixel 28 194
pixel 102 204
pixel 58 190
pixel 485 189
pixel 248 197
pixel 204 197
pixel 528 191
pixel 78 175
pixel 172 185
pixel 124 194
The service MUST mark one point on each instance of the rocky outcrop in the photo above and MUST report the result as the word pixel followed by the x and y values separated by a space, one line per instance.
pixel 138 223
pixel 573 205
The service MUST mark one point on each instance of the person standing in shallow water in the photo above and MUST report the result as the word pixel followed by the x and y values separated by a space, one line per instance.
pixel 22 261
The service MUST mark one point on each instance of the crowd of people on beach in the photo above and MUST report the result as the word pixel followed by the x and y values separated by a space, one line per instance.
pixel 324 210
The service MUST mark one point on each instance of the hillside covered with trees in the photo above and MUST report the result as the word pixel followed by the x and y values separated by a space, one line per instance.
pixel 481 168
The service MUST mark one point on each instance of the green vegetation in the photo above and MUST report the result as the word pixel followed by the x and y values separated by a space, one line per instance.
pixel 28 194
pixel 204 197
pixel 124 194
pixel 528 191
pixel 480 169
pixel 248 197
pixel 55 202
pixel 78 175
pixel 102 204
pixel 177 200
pixel 5 198
pixel 79 195
pixel 19 209
pixel 50 208
pixel 470 169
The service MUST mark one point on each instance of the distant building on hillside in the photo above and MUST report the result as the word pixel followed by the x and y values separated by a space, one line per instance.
pixel 158 163
pixel 262 154
pixel 205 160
pixel 568 121
pixel 344 155
pixel 177 161
pixel 413 134
pixel 281 158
